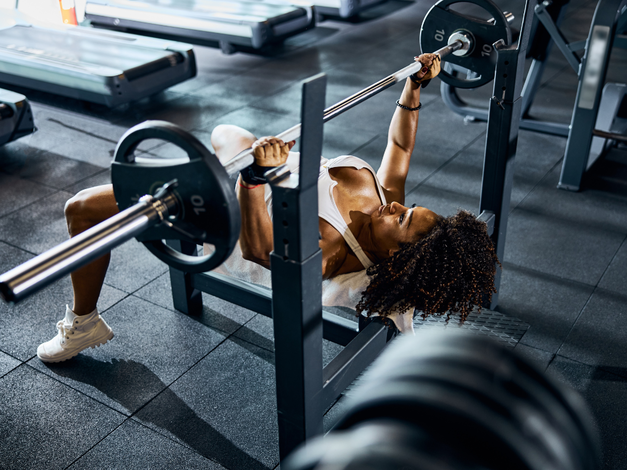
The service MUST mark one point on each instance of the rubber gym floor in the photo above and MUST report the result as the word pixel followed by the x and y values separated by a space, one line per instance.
pixel 170 391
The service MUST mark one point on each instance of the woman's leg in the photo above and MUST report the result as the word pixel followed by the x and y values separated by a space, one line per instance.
pixel 228 140
pixel 88 208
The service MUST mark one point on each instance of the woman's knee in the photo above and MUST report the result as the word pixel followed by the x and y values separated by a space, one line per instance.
pixel 89 207
pixel 229 140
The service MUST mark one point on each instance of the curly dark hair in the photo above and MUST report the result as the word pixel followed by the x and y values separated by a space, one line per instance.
pixel 450 270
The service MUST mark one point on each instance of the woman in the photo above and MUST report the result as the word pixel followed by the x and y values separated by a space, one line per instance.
pixel 415 257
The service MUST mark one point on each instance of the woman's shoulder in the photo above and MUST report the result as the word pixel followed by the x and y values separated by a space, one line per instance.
pixel 348 161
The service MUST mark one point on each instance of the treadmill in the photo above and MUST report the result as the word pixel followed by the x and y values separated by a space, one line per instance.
pixel 98 66
pixel 232 25
pixel 16 116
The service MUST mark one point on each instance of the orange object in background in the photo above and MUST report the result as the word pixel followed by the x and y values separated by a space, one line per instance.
pixel 68 12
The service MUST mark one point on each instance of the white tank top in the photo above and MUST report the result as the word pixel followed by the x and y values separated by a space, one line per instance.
pixel 327 208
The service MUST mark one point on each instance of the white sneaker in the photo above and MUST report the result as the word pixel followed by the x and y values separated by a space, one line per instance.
pixel 75 334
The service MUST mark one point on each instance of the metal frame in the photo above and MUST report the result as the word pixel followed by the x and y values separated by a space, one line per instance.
pixel 304 388
pixel 592 73
pixel 502 138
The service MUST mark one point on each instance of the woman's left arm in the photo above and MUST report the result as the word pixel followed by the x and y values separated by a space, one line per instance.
pixel 394 166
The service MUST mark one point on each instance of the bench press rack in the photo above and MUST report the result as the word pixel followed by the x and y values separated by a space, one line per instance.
pixel 305 390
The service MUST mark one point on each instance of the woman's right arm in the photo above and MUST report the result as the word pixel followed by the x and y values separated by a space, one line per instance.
pixel 256 236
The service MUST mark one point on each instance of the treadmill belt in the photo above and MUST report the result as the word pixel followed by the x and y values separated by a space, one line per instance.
pixel 93 65
pixel 244 23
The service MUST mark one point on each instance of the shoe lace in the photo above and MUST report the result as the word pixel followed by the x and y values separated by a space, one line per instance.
pixel 66 329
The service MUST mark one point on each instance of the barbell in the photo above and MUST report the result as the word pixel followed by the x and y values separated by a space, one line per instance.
pixel 193 200
pixel 444 400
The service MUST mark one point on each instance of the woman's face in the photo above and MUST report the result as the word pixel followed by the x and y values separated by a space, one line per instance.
pixel 395 224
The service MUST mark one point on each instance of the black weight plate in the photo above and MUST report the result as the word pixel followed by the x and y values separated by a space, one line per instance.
pixel 378 445
pixel 441 22
pixel 485 359
pixel 565 408
pixel 533 423
pixel 208 211
pixel 524 380
pixel 448 414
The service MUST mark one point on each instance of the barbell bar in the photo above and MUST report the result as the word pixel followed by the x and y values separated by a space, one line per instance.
pixel 163 216
pixel 245 158
pixel 37 273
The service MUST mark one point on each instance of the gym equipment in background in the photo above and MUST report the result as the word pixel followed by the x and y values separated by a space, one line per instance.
pixel 102 67
pixel 447 400
pixel 599 117
pixel 304 388
pixel 231 24
pixel 16 116
pixel 540 45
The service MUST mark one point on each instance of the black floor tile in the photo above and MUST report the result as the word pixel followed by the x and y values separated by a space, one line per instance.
pixel 572 250
pixel 134 446
pixel 257 121
pixel 540 358
pixel 554 101
pixel 599 334
pixel 132 266
pixel 260 332
pixel 615 278
pixel 189 111
pixel 224 408
pixel 7 363
pixel 17 193
pixel 46 424
pixel 39 226
pixel 217 313
pixel 104 177
pixel 75 136
pixel 604 392
pixel 16 151
pixel 461 174
pixel 152 347
pixel 595 208
pixel 442 201
pixel 339 140
pixel 47 168
pixel 549 304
